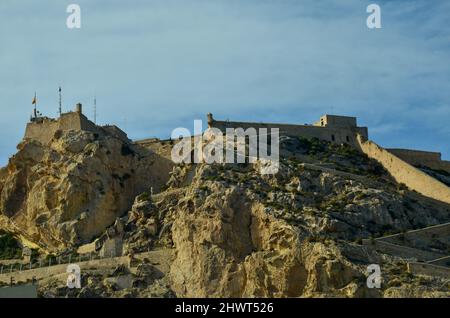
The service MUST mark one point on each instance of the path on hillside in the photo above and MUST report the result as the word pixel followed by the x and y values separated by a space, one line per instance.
pixel 416 247
pixel 161 259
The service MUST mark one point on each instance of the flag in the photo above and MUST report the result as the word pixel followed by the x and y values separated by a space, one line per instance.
pixel 34 101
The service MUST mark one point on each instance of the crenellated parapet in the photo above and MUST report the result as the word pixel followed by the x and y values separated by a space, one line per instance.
pixel 43 129
pixel 336 129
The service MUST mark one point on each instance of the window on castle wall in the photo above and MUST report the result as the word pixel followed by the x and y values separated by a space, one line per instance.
pixel 332 138
pixel 348 139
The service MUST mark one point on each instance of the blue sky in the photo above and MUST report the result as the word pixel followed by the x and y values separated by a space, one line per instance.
pixel 157 65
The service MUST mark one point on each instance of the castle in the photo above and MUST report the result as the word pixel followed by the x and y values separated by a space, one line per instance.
pixel 405 165
pixel 43 129
pixel 337 129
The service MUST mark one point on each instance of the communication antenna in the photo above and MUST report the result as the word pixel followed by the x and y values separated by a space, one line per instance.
pixel 60 102
pixel 95 110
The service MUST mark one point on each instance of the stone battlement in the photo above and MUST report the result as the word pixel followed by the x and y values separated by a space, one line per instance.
pixel 43 129
pixel 336 129
pixel 422 158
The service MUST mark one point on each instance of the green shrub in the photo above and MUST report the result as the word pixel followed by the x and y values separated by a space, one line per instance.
pixel 9 247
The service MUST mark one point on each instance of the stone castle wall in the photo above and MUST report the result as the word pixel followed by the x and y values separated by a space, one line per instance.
pixel 428 269
pixel 425 234
pixel 336 134
pixel 43 129
pixel 405 173
pixel 422 158
pixel 401 251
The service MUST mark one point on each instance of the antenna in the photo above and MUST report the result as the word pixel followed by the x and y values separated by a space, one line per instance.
pixel 60 102
pixel 95 109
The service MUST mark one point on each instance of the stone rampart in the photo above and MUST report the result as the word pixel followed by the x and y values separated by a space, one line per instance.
pixel 422 158
pixel 405 173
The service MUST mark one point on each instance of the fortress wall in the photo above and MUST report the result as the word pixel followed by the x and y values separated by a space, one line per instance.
pixel 444 261
pixel 43 131
pixel 401 251
pixel 70 121
pixel 422 158
pixel 428 269
pixel 116 132
pixel 87 125
pixel 426 234
pixel 415 156
pixel 405 173
pixel 308 131
pixel 56 270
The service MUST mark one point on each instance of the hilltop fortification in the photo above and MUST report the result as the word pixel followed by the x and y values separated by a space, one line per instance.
pixel 336 129
pixel 72 186
pixel 403 164
pixel 43 129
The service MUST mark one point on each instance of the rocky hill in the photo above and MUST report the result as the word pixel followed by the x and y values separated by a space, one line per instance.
pixel 64 194
pixel 231 231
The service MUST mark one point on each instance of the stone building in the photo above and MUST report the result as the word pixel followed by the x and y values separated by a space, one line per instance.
pixel 43 129
pixel 337 129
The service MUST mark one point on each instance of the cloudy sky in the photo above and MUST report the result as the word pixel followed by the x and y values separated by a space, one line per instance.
pixel 155 65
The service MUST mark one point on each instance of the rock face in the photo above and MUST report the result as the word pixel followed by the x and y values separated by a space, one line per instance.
pixel 228 246
pixel 239 234
pixel 69 191
pixel 229 231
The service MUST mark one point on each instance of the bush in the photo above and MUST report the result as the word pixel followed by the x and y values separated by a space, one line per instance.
pixel 9 247
pixel 126 150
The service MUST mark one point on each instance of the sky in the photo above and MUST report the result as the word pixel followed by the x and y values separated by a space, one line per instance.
pixel 155 65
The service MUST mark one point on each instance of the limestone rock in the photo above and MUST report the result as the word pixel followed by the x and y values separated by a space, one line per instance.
pixel 69 191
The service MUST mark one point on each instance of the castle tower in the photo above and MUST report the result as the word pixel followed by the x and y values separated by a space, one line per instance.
pixel 79 108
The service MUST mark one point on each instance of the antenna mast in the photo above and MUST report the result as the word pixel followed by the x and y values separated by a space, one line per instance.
pixel 60 102
pixel 95 110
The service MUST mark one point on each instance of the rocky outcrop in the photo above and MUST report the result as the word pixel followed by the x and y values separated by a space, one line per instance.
pixel 228 246
pixel 231 231
pixel 240 234
pixel 69 191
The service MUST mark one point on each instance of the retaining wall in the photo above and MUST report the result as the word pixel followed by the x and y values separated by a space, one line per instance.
pixel 428 269
pixel 402 251
pixel 44 272
pixel 422 158
pixel 337 135
pixel 405 173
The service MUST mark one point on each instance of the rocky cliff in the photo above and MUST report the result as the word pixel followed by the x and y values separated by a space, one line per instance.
pixel 240 234
pixel 65 193
pixel 231 232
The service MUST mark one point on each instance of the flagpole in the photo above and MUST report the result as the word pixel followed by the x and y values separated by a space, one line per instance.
pixel 35 105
